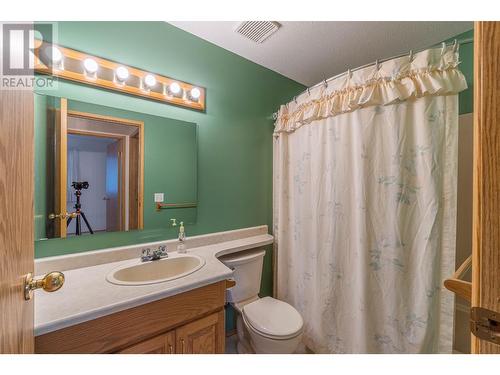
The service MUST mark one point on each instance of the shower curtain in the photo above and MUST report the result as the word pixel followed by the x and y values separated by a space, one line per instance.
pixel 365 175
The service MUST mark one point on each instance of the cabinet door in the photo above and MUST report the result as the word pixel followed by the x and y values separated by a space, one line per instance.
pixel 163 344
pixel 203 336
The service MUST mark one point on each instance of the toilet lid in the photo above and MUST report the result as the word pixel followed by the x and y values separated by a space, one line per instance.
pixel 273 317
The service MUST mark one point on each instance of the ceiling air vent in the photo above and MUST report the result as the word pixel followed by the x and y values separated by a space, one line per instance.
pixel 258 31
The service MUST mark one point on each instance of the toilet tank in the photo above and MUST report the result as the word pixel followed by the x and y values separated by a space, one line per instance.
pixel 247 267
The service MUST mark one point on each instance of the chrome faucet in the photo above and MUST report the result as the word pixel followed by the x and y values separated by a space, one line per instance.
pixel 148 255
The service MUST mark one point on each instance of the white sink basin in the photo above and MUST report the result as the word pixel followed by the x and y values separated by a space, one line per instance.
pixel 156 271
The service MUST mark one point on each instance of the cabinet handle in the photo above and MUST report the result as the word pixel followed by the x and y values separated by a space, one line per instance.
pixel 182 346
pixel 170 349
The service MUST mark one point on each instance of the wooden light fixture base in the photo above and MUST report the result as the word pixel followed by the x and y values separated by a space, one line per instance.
pixel 72 68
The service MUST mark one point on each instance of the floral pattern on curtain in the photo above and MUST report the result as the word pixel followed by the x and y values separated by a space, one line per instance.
pixel 364 217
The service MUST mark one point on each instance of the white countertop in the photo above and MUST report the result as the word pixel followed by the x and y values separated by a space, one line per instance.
pixel 87 295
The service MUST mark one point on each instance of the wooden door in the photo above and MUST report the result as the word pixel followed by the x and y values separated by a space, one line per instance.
pixel 486 190
pixel 114 186
pixel 162 344
pixel 16 220
pixel 203 336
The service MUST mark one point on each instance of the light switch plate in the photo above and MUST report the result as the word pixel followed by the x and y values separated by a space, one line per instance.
pixel 159 197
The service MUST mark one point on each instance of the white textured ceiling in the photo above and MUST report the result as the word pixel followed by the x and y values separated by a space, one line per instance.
pixel 310 51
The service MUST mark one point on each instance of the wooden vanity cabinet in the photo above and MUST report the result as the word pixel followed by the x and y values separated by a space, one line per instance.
pixel 162 344
pixel 191 322
pixel 203 336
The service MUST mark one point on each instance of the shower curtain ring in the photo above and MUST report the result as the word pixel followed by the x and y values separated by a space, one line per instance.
pixel 377 64
pixel 295 99
pixel 325 83
pixel 308 91
pixel 443 48
pixel 455 45
pixel 410 57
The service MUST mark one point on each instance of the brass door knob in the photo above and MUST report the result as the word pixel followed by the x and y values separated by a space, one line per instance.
pixel 57 216
pixel 62 216
pixel 50 283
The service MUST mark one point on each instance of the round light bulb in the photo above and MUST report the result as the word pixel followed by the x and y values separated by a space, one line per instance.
pixel 90 65
pixel 122 73
pixel 150 80
pixel 54 54
pixel 195 93
pixel 174 88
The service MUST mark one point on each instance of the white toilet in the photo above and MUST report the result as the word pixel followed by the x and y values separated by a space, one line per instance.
pixel 264 325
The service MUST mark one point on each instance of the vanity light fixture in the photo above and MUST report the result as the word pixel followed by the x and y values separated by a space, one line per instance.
pixel 54 55
pixel 90 66
pixel 150 80
pixel 194 94
pixel 111 75
pixel 174 88
pixel 121 74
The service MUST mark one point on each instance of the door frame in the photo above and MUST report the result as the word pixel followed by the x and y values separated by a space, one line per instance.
pixel 486 176
pixel 123 121
pixel 121 157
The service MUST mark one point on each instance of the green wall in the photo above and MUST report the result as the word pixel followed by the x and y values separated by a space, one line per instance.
pixel 234 134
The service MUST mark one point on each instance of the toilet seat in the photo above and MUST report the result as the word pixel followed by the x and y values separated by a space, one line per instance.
pixel 273 318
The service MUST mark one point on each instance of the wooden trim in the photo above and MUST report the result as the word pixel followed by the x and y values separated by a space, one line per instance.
pixel 459 287
pixel 140 193
pixel 220 334
pixel 133 181
pixel 94 116
pixel 91 133
pixel 62 163
pixel 121 176
pixel 105 78
pixel 476 175
pixel 230 283
pixel 456 285
pixel 464 267
pixel 486 175
pixel 117 331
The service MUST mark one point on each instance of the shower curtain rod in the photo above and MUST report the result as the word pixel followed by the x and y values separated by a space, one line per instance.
pixel 410 53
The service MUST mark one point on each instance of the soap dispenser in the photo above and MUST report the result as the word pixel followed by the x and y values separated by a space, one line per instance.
pixel 181 246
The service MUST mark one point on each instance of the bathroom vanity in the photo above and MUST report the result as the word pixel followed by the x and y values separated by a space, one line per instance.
pixel 186 323
pixel 91 314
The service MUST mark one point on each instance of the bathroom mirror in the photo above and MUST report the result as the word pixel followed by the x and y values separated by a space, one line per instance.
pixel 101 169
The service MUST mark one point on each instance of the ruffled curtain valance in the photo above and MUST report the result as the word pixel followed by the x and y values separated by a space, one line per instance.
pixel 431 72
